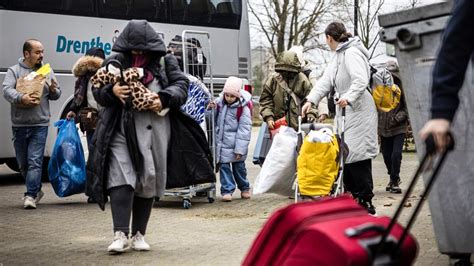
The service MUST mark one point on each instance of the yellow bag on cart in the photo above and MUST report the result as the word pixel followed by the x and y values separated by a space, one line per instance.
pixel 318 167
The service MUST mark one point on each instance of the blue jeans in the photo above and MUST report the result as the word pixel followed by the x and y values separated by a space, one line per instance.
pixel 29 143
pixel 229 177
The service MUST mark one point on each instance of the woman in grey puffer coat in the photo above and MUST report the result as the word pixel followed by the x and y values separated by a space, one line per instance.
pixel 233 129
pixel 348 73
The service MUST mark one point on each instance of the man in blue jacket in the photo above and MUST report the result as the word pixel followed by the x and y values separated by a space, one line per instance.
pixel 30 119
pixel 457 50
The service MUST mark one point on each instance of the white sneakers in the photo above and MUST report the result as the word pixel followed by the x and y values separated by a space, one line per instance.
pixel 39 196
pixel 29 202
pixel 120 243
pixel 139 244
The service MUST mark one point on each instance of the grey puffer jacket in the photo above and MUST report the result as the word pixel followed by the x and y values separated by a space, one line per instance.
pixel 348 73
pixel 233 133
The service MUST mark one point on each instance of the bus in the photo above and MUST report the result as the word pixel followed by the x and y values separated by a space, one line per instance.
pixel 67 28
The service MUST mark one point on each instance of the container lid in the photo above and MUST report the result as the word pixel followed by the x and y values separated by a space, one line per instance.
pixel 415 14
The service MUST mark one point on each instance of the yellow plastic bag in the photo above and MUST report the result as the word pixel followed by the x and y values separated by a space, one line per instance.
pixel 317 167
pixel 44 70
pixel 386 98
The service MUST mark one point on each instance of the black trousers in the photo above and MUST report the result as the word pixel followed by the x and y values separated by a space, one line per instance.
pixel 124 203
pixel 358 179
pixel 392 148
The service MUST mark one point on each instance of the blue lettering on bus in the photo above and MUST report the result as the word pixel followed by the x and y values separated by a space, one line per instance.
pixel 64 45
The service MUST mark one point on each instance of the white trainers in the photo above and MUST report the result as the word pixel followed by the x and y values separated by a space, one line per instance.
pixel 138 242
pixel 39 196
pixel 120 243
pixel 29 203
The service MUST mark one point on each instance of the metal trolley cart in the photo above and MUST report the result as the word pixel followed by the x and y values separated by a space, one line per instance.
pixel 197 62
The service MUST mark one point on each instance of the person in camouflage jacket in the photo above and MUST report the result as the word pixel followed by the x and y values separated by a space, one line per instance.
pixel 276 100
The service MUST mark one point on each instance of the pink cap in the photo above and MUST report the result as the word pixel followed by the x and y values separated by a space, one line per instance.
pixel 232 86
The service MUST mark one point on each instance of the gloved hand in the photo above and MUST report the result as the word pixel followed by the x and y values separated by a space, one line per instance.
pixel 310 118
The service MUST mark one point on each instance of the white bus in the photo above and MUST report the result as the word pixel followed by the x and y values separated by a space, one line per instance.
pixel 67 28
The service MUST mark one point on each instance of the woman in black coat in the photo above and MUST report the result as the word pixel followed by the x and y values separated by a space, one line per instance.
pixel 128 156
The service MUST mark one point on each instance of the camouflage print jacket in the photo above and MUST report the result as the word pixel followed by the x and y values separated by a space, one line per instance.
pixel 275 100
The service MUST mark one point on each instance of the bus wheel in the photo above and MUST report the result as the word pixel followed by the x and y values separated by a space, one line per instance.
pixel 12 164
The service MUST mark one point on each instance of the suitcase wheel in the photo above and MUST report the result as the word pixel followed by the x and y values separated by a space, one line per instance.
pixel 186 203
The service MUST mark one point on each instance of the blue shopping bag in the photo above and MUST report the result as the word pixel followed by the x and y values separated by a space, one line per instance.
pixel 67 166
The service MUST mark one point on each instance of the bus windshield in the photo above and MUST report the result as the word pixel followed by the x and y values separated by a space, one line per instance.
pixel 207 13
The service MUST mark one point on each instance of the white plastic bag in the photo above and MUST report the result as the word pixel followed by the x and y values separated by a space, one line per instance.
pixel 279 168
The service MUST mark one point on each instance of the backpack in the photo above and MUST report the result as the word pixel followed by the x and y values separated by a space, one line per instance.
pixel 240 110
pixel 385 92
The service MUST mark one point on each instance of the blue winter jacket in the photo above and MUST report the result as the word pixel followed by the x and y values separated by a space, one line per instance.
pixel 233 135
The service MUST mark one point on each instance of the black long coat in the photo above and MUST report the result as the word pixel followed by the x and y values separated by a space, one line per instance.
pixel 138 35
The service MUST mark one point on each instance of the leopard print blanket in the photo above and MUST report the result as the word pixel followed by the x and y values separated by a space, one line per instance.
pixel 142 97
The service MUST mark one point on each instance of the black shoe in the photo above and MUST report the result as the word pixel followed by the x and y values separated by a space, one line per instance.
pixel 389 186
pixel 367 204
pixel 370 208
pixel 396 187
pixel 92 200
pixel 460 260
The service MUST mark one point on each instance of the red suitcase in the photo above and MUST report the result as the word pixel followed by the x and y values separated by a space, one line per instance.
pixel 337 231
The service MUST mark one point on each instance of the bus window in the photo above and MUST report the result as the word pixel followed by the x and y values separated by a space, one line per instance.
pixel 199 12
pixel 115 8
pixel 3 3
pixel 69 7
pixel 207 13
pixel 153 11
pixel 143 9
pixel 74 7
pixel 227 14
pixel 178 10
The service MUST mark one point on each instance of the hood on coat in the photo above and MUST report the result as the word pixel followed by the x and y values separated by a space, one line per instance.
pixel 245 98
pixel 21 62
pixel 139 35
pixel 353 42
pixel 86 64
pixel 288 61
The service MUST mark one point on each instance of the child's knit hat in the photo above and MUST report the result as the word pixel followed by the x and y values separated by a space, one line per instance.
pixel 232 86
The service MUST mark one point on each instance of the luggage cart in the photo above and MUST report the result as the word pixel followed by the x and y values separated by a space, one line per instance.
pixel 303 129
pixel 199 42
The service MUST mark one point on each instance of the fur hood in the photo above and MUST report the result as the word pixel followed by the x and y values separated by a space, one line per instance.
pixel 86 64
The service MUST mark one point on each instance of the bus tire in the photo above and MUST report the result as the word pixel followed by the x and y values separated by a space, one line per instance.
pixel 13 165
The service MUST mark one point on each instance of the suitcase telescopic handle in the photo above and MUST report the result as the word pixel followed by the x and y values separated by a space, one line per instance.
pixel 427 158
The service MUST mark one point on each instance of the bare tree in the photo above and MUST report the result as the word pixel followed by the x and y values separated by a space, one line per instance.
pixel 414 3
pixel 368 29
pixel 285 23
